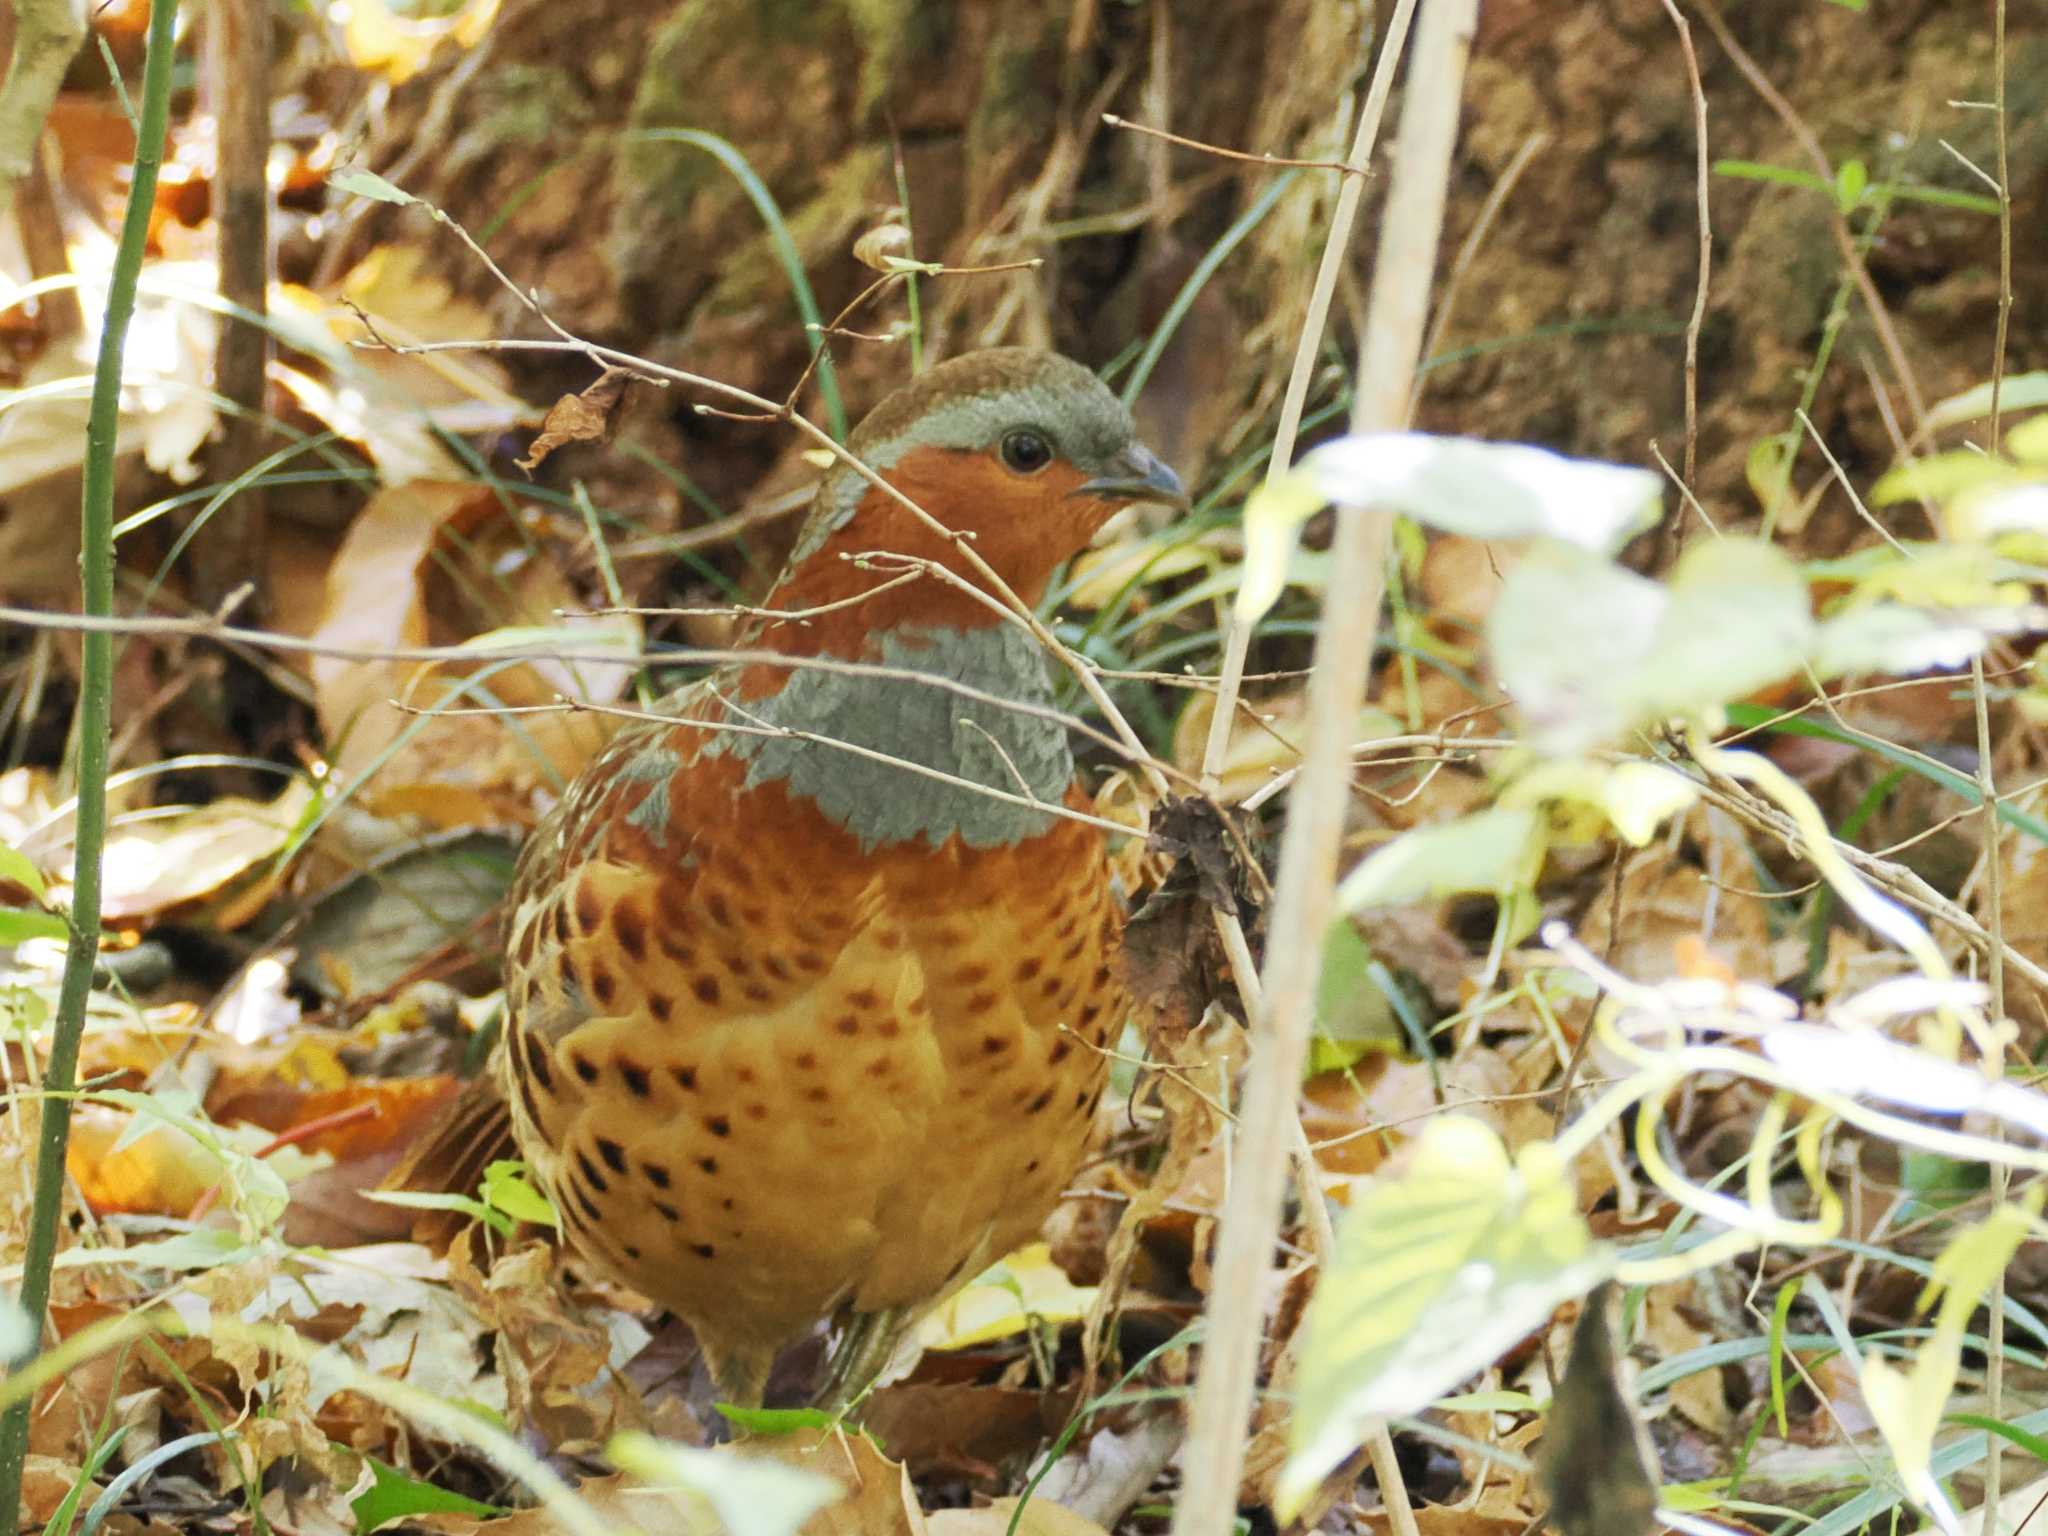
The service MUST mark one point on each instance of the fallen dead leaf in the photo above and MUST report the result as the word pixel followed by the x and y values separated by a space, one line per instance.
pixel 1042 1517
pixel 589 417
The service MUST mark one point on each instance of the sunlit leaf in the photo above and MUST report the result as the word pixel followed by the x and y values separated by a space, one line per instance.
pixel 1491 852
pixel 1738 617
pixel 506 1188
pixel 2016 392
pixel 369 184
pixel 762 1498
pixel 1939 477
pixel 1459 485
pixel 1908 1403
pixel 395 1495
pixel 1565 625
pixel 1438 1270
pixel 1891 637
pixel 1025 1288
pixel 18 924
pixel 19 868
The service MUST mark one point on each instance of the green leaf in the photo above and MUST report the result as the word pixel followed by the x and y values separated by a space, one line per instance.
pixel 1493 852
pixel 1758 170
pixel 20 868
pixel 435 1200
pixel 1852 180
pixel 18 924
pixel 761 1498
pixel 395 1495
pixel 369 184
pixel 506 1188
pixel 774 1421
pixel 1353 1016
pixel 1437 1271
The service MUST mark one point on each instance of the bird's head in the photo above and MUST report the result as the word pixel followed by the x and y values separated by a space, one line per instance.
pixel 1025 452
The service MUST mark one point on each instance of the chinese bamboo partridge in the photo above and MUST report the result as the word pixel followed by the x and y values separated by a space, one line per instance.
pixel 807 990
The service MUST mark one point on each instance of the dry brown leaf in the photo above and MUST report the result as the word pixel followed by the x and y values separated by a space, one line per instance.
pixel 165 862
pixel 589 417
pixel 1042 1517
pixel 879 1500
pixel 378 596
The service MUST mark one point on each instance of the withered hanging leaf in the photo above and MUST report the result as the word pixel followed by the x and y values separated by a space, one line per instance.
pixel 585 418
pixel 1596 1465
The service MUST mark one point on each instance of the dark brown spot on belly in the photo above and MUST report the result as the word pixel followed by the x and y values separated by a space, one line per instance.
pixel 847 1024
pixel 715 905
pixel 585 1067
pixel 589 906
pixel 589 1170
pixel 981 1002
pixel 668 1212
pixel 1038 1103
pixel 602 985
pixel 706 988
pixel 661 1005
pixel 708 1164
pixel 613 1154
pixel 994 1045
pixel 704 1250
pixel 865 998
pixel 1028 968
pixel 718 1125
pixel 537 1062
pixel 657 1175
pixel 1060 1052
pixel 631 929
pixel 686 1077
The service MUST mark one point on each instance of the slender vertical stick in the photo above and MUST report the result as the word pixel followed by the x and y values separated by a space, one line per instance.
pixel 1237 642
pixel 96 519
pixel 1410 229
pixel 238 36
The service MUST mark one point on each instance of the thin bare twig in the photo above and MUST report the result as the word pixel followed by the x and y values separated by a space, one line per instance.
pixel 1706 236
pixel 1279 162
pixel 1269 1123
pixel 1237 637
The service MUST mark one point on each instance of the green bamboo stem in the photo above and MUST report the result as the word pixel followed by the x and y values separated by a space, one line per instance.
pixel 96 523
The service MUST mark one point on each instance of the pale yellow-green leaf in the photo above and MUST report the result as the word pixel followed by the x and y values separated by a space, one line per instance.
pixel 1891 637
pixel 1006 1300
pixel 1738 618
pixel 19 868
pixel 1490 852
pixel 1635 798
pixel 1273 518
pixel 1565 627
pixel 1459 485
pixel 1939 477
pixel 2016 392
pixel 2028 442
pixel 1908 1404
pixel 1438 1269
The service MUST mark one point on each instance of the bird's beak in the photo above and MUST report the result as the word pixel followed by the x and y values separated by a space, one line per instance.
pixel 1136 474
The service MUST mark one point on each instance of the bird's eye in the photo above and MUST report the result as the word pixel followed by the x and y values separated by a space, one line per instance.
pixel 1026 452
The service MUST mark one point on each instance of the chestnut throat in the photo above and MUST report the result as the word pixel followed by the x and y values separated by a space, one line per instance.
pixel 903 724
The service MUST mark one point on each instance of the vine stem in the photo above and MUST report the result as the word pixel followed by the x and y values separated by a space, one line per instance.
pixel 96 535
pixel 1213 1463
